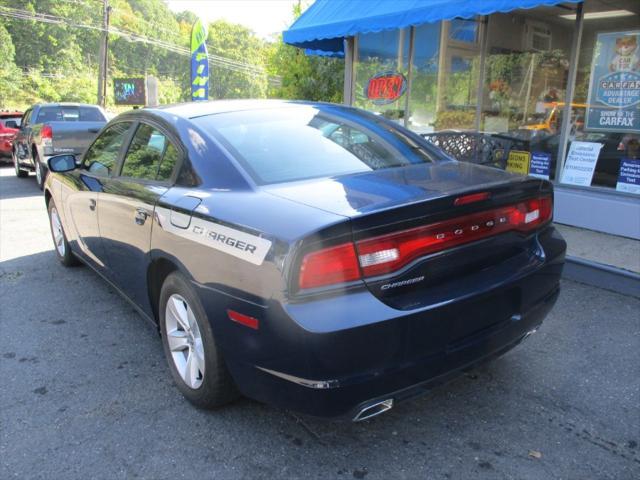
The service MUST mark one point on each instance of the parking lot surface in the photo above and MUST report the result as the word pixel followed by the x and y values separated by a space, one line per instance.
pixel 86 393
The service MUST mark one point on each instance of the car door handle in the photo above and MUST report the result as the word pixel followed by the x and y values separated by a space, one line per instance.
pixel 93 130
pixel 141 216
pixel 92 205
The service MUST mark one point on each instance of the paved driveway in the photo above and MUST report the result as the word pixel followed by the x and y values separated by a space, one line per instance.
pixel 85 393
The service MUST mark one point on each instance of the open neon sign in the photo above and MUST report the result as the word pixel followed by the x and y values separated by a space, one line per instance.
pixel 386 87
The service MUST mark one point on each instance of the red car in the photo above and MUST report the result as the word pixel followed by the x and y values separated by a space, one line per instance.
pixel 9 125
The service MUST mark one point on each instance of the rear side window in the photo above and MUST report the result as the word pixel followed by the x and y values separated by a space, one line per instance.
pixel 150 156
pixel 103 154
pixel 17 120
pixel 67 113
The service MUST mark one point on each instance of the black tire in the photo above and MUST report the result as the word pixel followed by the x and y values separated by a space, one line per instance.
pixel 217 387
pixel 40 171
pixel 67 258
pixel 20 173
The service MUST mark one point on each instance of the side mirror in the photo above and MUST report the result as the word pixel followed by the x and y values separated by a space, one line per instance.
pixel 11 124
pixel 62 163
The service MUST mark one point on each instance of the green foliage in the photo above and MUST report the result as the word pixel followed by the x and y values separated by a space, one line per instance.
pixel 454 119
pixel 305 77
pixel 9 73
pixel 59 61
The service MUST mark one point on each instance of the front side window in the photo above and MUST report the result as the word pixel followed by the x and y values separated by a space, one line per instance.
pixel 103 154
pixel 150 156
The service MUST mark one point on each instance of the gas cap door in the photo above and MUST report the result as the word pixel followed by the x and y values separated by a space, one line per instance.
pixel 182 211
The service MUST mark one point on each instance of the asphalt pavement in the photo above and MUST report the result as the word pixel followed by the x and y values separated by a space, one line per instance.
pixel 85 392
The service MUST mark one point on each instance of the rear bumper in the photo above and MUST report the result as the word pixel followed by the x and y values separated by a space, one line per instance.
pixel 346 396
pixel 366 351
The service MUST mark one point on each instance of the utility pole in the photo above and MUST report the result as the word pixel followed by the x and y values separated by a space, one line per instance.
pixel 104 54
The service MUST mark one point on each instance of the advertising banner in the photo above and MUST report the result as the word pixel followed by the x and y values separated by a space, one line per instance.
pixel 629 176
pixel 199 63
pixel 581 163
pixel 614 89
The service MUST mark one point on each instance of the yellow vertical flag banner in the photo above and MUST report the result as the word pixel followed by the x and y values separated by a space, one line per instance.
pixel 199 63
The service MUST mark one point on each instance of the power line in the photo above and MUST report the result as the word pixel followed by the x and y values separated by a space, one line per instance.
pixel 215 60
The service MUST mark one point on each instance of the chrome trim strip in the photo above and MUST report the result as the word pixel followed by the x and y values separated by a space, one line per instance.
pixel 316 384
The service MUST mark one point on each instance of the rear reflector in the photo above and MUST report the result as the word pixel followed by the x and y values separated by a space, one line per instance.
pixel 242 319
pixel 388 253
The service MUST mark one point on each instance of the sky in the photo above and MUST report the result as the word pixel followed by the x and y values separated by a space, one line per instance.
pixel 264 17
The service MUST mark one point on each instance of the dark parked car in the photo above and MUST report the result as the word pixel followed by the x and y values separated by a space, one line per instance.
pixel 312 256
pixel 9 125
pixel 52 128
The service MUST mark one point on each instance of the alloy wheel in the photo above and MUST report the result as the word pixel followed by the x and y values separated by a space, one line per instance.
pixel 58 235
pixel 185 341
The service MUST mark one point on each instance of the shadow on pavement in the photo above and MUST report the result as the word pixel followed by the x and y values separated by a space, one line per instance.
pixel 14 187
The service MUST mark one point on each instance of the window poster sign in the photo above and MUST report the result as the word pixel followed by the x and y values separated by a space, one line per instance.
pixel 581 162
pixel 384 88
pixel 540 165
pixel 614 89
pixel 629 176
pixel 518 162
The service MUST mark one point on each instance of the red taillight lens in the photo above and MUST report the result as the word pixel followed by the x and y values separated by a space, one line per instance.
pixel 388 253
pixel 329 266
pixel 46 131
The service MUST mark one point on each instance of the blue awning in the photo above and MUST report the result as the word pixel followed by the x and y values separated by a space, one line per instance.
pixel 326 23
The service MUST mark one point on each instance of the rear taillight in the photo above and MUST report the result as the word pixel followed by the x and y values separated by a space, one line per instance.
pixel 46 133
pixel 388 253
pixel 329 266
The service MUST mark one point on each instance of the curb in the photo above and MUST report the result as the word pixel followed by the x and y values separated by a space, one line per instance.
pixel 602 276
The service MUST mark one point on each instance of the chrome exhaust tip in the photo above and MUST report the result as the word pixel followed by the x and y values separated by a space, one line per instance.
pixel 373 410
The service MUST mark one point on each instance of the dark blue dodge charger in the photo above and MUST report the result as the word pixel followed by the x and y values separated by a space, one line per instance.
pixel 312 256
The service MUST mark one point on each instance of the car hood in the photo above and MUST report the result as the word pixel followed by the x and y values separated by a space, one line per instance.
pixel 362 193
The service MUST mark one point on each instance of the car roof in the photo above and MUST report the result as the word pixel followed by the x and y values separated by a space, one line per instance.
pixel 200 109
pixel 11 114
pixel 66 104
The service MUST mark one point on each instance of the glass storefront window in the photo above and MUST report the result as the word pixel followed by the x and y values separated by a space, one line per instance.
pixel 526 74
pixel 604 144
pixel 381 68
pixel 424 83
pixel 458 69
pixel 525 56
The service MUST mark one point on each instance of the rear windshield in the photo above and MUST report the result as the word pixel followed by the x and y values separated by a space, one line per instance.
pixel 5 119
pixel 301 142
pixel 68 113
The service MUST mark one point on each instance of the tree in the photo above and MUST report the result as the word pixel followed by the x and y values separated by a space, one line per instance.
pixel 304 77
pixel 9 73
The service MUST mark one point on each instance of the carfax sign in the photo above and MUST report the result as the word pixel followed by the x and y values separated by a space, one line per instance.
pixel 614 90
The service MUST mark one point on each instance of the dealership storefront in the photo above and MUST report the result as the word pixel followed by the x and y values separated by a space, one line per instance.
pixel 537 87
